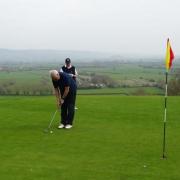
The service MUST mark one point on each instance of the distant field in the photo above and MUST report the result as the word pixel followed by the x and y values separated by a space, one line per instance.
pixel 33 80
pixel 122 91
pixel 129 78
pixel 24 77
pixel 114 137
pixel 128 71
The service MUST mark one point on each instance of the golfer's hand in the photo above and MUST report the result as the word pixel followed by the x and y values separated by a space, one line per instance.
pixel 58 104
pixel 62 101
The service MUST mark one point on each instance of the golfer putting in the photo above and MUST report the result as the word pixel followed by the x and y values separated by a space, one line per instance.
pixel 65 92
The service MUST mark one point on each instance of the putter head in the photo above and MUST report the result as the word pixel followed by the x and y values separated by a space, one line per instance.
pixel 164 157
pixel 46 130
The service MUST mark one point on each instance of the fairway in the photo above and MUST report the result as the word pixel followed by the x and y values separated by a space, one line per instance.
pixel 113 138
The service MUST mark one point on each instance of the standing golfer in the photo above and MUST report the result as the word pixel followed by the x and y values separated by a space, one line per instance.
pixel 68 68
pixel 65 92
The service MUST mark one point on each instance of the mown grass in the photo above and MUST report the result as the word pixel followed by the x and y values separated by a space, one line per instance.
pixel 113 137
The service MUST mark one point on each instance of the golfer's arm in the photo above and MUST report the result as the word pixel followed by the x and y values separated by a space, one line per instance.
pixel 66 91
pixel 57 94
pixel 76 74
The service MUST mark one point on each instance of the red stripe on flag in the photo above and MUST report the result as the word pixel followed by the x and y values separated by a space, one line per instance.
pixel 171 57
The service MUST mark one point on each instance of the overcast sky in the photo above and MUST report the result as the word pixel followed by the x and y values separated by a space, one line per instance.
pixel 122 26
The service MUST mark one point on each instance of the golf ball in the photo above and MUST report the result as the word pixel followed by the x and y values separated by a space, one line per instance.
pixel 51 132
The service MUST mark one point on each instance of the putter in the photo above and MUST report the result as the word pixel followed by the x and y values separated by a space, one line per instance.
pixel 48 128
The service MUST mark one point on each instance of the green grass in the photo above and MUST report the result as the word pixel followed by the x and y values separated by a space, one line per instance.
pixel 32 80
pixel 127 71
pixel 122 91
pixel 121 73
pixel 24 77
pixel 18 81
pixel 112 139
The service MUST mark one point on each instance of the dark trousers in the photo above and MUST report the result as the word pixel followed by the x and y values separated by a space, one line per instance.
pixel 67 109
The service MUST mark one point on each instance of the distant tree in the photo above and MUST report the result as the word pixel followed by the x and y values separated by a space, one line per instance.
pixel 103 79
pixel 139 92
pixel 160 84
pixel 174 87
pixel 17 92
pixel 2 90
pixel 151 80
pixel 174 84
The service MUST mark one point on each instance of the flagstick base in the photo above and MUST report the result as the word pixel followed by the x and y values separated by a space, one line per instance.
pixel 164 157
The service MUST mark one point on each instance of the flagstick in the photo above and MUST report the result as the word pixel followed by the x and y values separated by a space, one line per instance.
pixel 165 111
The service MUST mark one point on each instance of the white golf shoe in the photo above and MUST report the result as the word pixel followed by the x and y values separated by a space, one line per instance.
pixel 61 126
pixel 68 126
